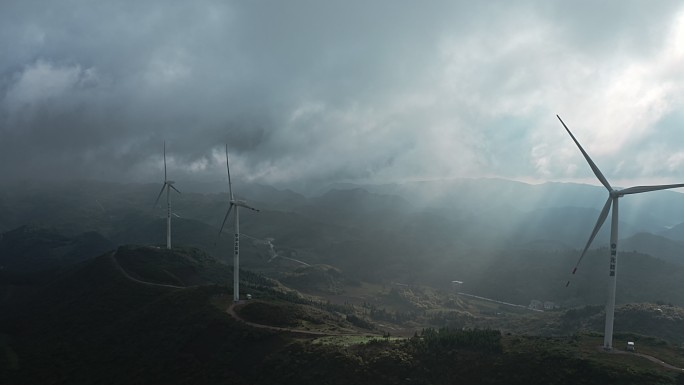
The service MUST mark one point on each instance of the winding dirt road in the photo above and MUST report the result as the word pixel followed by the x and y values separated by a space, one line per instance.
pixel 231 311
pixel 646 356
pixel 117 266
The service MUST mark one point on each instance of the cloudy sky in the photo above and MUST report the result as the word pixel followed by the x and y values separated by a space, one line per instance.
pixel 326 91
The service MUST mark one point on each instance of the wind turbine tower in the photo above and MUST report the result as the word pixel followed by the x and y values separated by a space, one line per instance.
pixel 168 185
pixel 613 196
pixel 236 240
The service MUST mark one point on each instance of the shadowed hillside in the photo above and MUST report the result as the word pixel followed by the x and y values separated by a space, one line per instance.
pixel 30 249
pixel 104 327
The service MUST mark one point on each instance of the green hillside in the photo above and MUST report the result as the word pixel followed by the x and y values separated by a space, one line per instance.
pixel 95 324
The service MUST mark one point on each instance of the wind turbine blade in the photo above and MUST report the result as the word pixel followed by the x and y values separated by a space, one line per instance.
pixel 225 218
pixel 593 166
pixel 174 188
pixel 248 207
pixel 160 194
pixel 640 189
pixel 602 218
pixel 164 161
pixel 230 185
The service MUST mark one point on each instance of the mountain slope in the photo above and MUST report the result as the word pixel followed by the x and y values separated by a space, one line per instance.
pixel 655 245
pixel 93 324
pixel 33 249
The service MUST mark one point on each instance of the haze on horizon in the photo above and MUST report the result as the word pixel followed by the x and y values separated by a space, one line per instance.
pixel 308 92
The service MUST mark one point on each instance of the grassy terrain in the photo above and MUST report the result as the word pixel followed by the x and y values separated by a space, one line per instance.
pixel 352 340
pixel 180 266
pixel 94 325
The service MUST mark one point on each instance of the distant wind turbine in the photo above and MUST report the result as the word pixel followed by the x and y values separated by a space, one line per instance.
pixel 613 196
pixel 168 184
pixel 236 241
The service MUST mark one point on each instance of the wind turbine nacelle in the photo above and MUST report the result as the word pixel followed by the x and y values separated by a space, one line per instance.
pixel 170 182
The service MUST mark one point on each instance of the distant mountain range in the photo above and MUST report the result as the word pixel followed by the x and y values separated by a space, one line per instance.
pixel 431 232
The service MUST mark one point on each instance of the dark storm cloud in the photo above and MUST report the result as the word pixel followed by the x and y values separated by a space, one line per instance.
pixel 310 90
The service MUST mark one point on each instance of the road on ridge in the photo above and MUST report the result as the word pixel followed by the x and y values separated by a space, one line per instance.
pixel 646 356
pixel 116 264
pixel 231 311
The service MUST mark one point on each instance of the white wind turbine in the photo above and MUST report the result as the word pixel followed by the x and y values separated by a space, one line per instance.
pixel 236 241
pixel 613 196
pixel 168 184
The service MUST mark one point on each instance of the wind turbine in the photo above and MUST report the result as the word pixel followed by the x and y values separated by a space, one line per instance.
pixel 613 196
pixel 236 240
pixel 168 185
